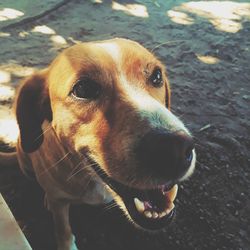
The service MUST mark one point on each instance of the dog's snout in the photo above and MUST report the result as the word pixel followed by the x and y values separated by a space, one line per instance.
pixel 164 154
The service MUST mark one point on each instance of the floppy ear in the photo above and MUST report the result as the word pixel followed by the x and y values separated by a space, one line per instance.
pixel 32 108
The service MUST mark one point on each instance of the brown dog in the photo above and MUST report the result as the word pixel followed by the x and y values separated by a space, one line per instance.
pixel 95 126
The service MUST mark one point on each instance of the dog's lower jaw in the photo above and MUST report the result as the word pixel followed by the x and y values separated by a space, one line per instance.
pixel 156 213
pixel 166 218
pixel 148 209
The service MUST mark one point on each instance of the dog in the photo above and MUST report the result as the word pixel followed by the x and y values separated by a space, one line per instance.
pixel 96 126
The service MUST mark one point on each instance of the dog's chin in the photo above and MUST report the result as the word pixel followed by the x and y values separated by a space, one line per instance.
pixel 149 209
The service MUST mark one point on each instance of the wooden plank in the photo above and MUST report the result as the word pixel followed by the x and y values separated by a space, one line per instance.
pixel 11 236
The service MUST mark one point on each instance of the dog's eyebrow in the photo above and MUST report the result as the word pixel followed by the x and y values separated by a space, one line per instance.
pixel 151 66
pixel 96 73
pixel 91 71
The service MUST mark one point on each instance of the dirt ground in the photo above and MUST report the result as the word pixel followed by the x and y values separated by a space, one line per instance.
pixel 205 46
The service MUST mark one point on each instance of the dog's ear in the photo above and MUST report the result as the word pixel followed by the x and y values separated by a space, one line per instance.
pixel 32 108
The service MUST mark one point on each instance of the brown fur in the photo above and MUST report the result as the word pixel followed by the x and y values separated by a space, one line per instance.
pixel 56 131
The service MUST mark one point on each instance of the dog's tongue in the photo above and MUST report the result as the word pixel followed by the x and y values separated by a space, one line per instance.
pixel 156 203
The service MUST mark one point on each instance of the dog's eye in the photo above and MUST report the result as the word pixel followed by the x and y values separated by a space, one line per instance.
pixel 156 78
pixel 86 89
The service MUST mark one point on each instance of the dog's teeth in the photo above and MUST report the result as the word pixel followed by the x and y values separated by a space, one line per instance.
pixel 148 214
pixel 139 205
pixel 172 193
pixel 162 214
pixel 155 215
pixel 167 211
pixel 170 208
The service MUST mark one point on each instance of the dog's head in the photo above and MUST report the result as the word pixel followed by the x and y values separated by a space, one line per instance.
pixel 109 101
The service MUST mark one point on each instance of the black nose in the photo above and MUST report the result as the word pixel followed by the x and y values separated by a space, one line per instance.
pixel 164 154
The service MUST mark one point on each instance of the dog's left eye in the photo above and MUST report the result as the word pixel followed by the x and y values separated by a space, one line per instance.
pixel 86 89
pixel 156 78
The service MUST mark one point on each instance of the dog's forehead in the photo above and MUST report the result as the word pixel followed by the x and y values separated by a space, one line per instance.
pixel 120 49
pixel 116 53
pixel 112 48
pixel 106 61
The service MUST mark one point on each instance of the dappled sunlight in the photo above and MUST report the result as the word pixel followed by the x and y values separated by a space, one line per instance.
pixel 14 69
pixel 138 10
pixel 4 76
pixel 8 128
pixel 226 16
pixel 180 17
pixel 44 30
pixel 58 41
pixel 8 13
pixel 97 1
pixel 9 73
pixel 23 34
pixel 4 34
pixel 218 9
pixel 6 93
pixel 208 59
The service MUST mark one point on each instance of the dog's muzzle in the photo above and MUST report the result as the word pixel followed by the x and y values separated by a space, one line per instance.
pixel 165 158
pixel 165 155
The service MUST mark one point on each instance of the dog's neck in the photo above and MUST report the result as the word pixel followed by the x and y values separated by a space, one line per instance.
pixel 71 174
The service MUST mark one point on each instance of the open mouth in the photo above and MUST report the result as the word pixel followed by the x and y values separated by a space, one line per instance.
pixel 151 209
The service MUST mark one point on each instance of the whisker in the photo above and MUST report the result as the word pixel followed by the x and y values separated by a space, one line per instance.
pixel 110 206
pixel 79 170
pixel 166 43
pixel 87 184
pixel 45 131
pixel 77 165
pixel 55 164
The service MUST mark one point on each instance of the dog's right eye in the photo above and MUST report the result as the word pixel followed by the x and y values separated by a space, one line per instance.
pixel 156 78
pixel 86 89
